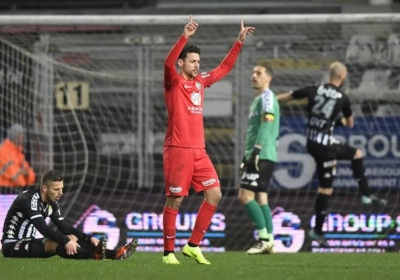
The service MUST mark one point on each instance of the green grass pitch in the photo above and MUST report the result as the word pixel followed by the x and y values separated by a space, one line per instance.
pixel 230 265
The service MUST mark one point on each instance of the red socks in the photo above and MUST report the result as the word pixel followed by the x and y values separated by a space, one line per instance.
pixel 169 232
pixel 203 220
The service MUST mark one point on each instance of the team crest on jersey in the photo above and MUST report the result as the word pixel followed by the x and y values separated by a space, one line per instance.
pixel 198 85
pixel 50 210
pixel 196 98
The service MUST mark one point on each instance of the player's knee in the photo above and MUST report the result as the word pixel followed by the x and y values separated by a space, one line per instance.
pixel 174 202
pixel 262 198
pixel 325 191
pixel 358 154
pixel 73 237
pixel 50 246
pixel 213 195
pixel 245 196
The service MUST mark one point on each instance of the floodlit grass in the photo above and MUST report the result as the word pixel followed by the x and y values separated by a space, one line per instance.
pixel 230 265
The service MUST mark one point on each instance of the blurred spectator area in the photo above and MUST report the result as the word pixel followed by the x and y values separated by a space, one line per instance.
pixel 26 5
pixel 379 58
pixel 182 7
pixel 178 6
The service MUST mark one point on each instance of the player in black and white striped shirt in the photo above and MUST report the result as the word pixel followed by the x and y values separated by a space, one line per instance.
pixel 27 214
pixel 328 107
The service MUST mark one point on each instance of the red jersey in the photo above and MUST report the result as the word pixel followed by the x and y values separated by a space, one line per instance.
pixel 185 98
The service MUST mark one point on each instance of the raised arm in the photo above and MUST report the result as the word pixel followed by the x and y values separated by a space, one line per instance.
pixel 295 94
pixel 229 61
pixel 172 57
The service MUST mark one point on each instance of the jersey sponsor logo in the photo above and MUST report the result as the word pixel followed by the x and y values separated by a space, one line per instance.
pixel 195 110
pixel 250 176
pixel 209 182
pixel 198 85
pixel 50 211
pixel 205 75
pixel 196 98
pixel 268 117
pixel 173 189
pixel 34 201
pixel 329 92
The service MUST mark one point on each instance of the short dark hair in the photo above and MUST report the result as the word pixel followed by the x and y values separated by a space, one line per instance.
pixel 51 176
pixel 267 66
pixel 189 49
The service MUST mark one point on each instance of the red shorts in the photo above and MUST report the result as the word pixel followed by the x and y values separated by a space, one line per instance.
pixel 184 167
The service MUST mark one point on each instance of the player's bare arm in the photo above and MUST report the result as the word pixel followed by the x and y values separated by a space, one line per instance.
pixel 172 57
pixel 284 97
pixel 244 31
pixel 230 59
pixel 348 122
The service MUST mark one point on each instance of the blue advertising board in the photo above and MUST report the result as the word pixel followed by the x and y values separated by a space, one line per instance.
pixel 376 137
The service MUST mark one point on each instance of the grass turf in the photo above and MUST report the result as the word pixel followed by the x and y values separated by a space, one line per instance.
pixel 230 265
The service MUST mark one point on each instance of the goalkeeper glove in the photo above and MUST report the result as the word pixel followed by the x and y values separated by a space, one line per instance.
pixel 252 163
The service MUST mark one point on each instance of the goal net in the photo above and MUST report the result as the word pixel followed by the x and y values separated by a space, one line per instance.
pixel 89 92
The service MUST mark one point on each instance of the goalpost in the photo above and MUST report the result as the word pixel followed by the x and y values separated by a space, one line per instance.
pixel 89 91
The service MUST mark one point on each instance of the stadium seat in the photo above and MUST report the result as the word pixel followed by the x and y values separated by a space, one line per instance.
pixel 386 110
pixel 393 43
pixel 361 49
pixel 375 80
pixel 357 110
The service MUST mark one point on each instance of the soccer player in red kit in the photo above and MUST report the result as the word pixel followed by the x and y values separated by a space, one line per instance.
pixel 185 160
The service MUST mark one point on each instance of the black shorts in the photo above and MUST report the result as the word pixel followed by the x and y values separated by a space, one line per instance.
pixel 26 248
pixel 258 182
pixel 326 157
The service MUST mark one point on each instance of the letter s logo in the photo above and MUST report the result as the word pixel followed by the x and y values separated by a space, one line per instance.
pixel 304 163
pixel 103 222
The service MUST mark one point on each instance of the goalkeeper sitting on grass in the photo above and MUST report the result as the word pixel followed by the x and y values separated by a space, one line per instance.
pixel 260 158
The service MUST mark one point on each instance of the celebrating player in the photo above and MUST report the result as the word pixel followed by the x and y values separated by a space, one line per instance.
pixel 260 158
pixel 27 214
pixel 325 103
pixel 185 160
